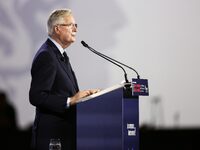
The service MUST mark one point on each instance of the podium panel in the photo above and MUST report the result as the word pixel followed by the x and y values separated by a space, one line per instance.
pixel 108 122
pixel 130 115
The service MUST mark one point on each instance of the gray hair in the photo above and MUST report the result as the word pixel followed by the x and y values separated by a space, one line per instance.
pixel 56 17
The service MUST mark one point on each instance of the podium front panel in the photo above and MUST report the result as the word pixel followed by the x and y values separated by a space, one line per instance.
pixel 108 122
pixel 130 123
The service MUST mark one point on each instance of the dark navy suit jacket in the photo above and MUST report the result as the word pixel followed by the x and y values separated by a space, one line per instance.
pixel 53 81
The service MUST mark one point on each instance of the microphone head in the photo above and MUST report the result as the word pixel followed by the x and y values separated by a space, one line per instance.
pixel 84 44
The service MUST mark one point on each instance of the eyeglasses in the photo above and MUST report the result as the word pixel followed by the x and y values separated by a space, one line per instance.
pixel 69 25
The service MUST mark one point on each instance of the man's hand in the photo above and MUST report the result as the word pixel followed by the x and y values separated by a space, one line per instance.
pixel 82 94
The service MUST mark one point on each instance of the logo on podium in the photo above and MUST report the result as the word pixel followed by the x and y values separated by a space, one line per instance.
pixel 140 87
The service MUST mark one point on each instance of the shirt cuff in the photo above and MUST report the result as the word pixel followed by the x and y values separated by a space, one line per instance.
pixel 68 102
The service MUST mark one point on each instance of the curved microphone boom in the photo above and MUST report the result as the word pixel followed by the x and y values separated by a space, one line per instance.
pixel 99 54
pixel 109 58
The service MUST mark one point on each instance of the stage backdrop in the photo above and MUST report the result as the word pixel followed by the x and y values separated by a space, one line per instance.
pixel 159 38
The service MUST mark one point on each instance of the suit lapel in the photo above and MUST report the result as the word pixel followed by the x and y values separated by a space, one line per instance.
pixel 65 64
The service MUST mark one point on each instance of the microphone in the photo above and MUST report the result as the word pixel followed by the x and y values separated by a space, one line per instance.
pixel 101 55
pixel 111 60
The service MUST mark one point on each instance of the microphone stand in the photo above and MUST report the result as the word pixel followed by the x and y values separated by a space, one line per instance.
pixel 102 55
pixel 127 86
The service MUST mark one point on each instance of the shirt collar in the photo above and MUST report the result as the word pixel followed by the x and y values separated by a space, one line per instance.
pixel 57 45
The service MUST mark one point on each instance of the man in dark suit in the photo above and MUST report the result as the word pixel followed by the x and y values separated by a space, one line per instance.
pixel 54 90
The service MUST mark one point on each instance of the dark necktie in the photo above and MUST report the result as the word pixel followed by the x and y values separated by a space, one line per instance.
pixel 66 57
pixel 69 68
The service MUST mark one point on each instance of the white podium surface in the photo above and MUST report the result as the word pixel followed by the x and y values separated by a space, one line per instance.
pixel 104 91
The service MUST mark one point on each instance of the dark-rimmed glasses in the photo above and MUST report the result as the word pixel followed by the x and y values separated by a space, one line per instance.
pixel 69 25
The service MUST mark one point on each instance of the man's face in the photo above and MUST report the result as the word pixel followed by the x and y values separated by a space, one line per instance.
pixel 67 31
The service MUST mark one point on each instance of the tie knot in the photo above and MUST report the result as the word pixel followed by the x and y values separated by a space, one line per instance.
pixel 65 56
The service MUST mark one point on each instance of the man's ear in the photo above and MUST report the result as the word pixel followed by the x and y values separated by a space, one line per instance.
pixel 56 29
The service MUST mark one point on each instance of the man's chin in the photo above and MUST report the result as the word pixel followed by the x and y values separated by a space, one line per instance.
pixel 73 40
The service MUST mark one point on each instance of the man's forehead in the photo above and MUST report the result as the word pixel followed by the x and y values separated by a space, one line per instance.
pixel 69 18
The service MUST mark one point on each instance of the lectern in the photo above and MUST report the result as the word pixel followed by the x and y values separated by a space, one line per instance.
pixel 109 120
